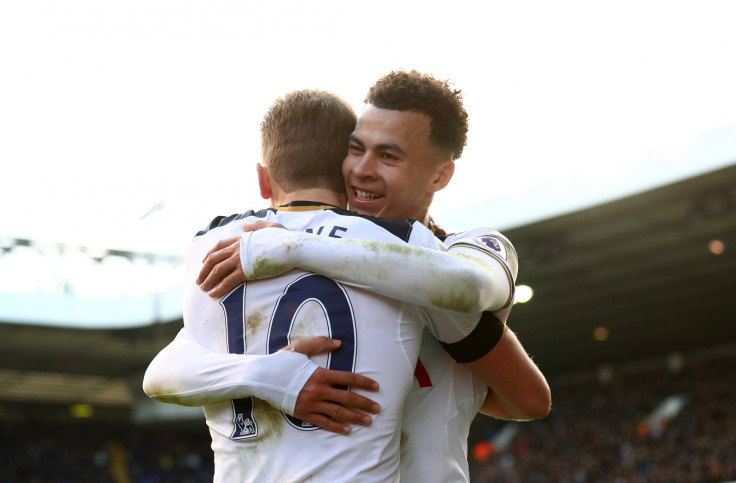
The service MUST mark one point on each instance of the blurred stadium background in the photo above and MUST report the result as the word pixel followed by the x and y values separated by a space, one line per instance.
pixel 630 320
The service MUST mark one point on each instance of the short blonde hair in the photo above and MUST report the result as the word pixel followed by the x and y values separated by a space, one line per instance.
pixel 304 139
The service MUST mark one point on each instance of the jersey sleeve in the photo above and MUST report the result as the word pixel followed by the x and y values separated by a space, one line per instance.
pixel 463 279
pixel 190 374
pixel 489 327
pixel 484 243
pixel 479 333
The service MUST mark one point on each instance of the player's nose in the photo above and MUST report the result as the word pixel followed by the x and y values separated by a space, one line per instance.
pixel 365 167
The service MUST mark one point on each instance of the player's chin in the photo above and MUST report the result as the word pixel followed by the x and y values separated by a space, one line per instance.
pixel 371 207
pixel 363 210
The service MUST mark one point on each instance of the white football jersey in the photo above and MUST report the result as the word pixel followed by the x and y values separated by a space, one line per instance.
pixel 254 441
pixel 445 396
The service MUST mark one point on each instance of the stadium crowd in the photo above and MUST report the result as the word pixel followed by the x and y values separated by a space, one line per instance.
pixel 596 432
pixel 37 451
pixel 599 432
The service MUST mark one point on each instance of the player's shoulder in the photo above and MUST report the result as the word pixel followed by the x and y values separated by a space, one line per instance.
pixel 485 239
pixel 221 221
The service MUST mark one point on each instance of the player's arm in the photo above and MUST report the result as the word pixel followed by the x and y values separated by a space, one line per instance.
pixel 467 278
pixel 491 351
pixel 517 389
pixel 190 374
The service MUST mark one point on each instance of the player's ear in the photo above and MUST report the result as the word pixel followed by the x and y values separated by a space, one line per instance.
pixel 443 174
pixel 264 182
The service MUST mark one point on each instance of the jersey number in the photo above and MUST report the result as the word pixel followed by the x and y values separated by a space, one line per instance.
pixel 338 311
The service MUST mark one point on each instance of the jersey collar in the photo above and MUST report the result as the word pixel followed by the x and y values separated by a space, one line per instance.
pixel 306 206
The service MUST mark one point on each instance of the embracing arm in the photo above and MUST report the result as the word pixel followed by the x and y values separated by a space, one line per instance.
pixel 517 388
pixel 465 279
pixel 190 374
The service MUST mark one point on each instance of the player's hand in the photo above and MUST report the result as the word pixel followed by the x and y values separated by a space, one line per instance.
pixel 221 271
pixel 326 406
pixel 436 229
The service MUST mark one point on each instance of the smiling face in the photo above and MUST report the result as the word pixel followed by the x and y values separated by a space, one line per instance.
pixel 392 170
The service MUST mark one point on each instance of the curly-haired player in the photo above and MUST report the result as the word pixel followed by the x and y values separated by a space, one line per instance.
pixel 407 138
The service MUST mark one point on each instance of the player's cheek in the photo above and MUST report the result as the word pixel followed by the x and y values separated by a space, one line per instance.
pixel 349 163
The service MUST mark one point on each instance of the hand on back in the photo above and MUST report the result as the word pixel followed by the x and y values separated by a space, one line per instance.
pixel 222 271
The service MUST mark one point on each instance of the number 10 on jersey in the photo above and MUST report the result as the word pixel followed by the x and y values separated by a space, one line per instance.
pixel 340 324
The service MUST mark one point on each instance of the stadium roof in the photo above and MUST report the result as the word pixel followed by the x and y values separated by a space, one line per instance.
pixel 655 269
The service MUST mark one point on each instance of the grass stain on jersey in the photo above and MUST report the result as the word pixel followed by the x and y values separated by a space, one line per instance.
pixel 446 297
pixel 254 455
pixel 452 299
pixel 254 322
pixel 265 268
pixel 403 444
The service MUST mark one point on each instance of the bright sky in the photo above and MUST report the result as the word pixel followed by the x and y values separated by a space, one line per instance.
pixel 110 108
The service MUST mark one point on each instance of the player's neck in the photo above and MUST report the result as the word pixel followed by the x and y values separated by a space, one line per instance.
pixel 424 219
pixel 422 213
pixel 422 216
pixel 320 195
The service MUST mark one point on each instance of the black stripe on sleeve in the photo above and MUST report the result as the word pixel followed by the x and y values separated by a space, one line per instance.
pixel 478 343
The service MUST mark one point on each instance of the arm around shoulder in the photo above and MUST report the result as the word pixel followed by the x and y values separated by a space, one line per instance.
pixel 459 280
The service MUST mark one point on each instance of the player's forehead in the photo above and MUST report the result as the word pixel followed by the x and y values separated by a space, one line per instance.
pixel 407 129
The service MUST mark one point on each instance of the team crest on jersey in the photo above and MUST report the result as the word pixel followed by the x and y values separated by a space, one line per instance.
pixel 492 243
pixel 246 427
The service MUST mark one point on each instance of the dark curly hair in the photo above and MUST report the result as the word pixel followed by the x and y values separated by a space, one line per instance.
pixel 414 91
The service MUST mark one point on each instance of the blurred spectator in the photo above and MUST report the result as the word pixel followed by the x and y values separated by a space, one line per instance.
pixel 597 433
